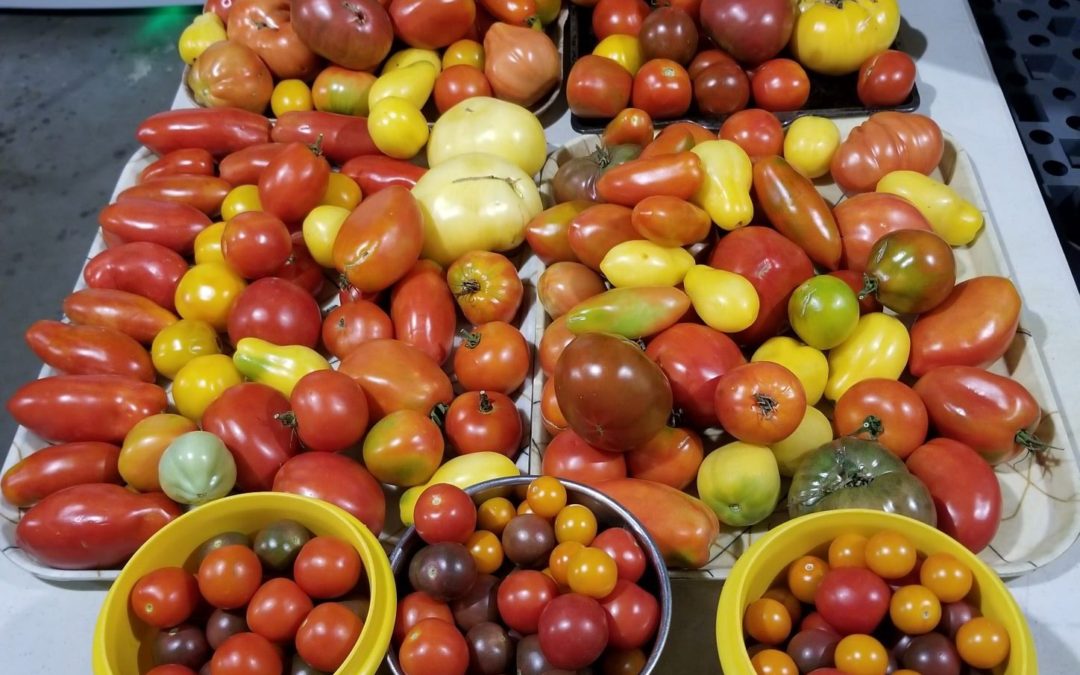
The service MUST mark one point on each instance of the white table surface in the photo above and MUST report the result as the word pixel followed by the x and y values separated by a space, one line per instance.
pixel 47 628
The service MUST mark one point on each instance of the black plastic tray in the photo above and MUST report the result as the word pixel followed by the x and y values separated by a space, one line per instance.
pixel 829 96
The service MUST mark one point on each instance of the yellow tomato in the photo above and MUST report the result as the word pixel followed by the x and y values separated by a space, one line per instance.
pixel 290 95
pixel 207 291
pixel 810 144
pixel 208 244
pixel 205 30
pixel 143 445
pixel 835 38
pixel 341 191
pixel 464 53
pixel 413 82
pixel 397 128
pixel 740 482
pixel 725 191
pixel 814 431
pixel 177 344
pixel 643 263
pixel 343 91
pixel 407 57
pixel 624 50
pixel 321 227
pixel 808 364
pixel 724 300
pixel 241 199
pixel 879 347
pixel 953 218
pixel 201 381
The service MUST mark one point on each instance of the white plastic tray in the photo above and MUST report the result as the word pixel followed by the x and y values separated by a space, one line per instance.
pixel 1040 510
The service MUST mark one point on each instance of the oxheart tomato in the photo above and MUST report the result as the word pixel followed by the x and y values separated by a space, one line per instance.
pixel 352 324
pixel 150 270
pixel 245 418
pixel 277 311
pixel 966 492
pixel 294 182
pixel 662 89
pixel 431 25
pixel 521 64
pixel 89 350
pixel 694 358
pixel 486 286
pixel 54 468
pixel 888 141
pixel 852 599
pixel 865 218
pixel 618 17
pixel 570 457
pixel 396 376
pixel 886 79
pixel 380 241
pixel 482 421
pixel 597 87
pixel 885 411
pixel 423 312
pixel 760 402
pixel 337 479
pixel 355 34
pixel 329 410
pixel 265 26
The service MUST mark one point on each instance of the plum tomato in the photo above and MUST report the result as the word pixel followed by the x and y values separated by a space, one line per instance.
pixel 852 600
pixel 327 567
pixel 444 512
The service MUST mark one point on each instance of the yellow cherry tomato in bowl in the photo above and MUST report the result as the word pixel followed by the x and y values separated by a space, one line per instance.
pixel 397 128
pixel 207 292
pixel 201 381
pixel 592 572
pixel 890 555
pixel 624 50
pixel 575 522
pixel 546 496
pixel 494 514
pixel 486 551
pixel 948 578
pixel 810 143
pixel 861 655
pixel 915 609
pixel 290 96
pixel 559 561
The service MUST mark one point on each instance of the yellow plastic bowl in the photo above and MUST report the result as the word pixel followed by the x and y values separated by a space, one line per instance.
pixel 764 561
pixel 122 643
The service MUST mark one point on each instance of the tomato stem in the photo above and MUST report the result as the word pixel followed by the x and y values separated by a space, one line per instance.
pixel 1032 442
pixel 438 414
pixel 287 419
pixel 485 402
pixel 766 403
pixel 471 340
pixel 316 147
pixel 872 426
pixel 468 287
pixel 870 286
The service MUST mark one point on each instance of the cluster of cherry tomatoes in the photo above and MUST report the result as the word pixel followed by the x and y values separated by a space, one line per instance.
pixel 256 604
pixel 877 606
pixel 534 585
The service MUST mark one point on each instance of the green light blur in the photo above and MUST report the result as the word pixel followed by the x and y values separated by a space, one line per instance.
pixel 163 24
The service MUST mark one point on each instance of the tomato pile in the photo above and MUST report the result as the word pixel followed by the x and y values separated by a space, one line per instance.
pixel 320 55
pixel 876 605
pixel 480 602
pixel 252 600
pixel 712 58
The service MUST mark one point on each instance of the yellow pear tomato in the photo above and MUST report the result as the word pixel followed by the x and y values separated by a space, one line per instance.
pixel 464 53
pixel 879 347
pixel 810 144
pixel 177 344
pixel 806 363
pixel 814 431
pixel 201 381
pixel 144 445
pixel 289 96
pixel 341 191
pixel 411 55
pixel 643 263
pixel 725 191
pixel 208 244
pixel 207 291
pixel 725 301
pixel 413 82
pixel 321 227
pixel 624 50
pixel 241 199
pixel 398 128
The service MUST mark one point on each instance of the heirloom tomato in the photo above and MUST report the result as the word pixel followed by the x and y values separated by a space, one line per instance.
pixel 780 85
pixel 569 456
pixel 809 145
pixel 337 479
pixel 244 418
pixel 352 324
pixel 423 312
pixel 865 218
pixel 207 292
pixel 355 35
pixel 720 84
pixel 329 411
pixel 492 356
pixel 187 162
pixel 550 414
pixel 434 647
pixel 380 241
pixel 662 88
pixel 521 64
pixel 725 301
pixel 630 312
pixel 670 221
pixel 750 30
pixel 953 218
pixel 143 268
pixel 279 367
pixel 143 446
pixel 823 311
pixel 631 126
pixel 266 27
pixel 795 208
pixel 241 199
pixel 343 91
pixel 343 136
pixel 669 33
pixel 885 411
pixel 760 402
pixel 644 263
pixel 457 83
pixel 220 131
pixel 548 232
pixel 56 467
pixel 488 125
pixel 229 74
pixel 396 376
pixel 430 25
pixel 404 448
pixel 573 630
pixel 598 87
pixel 89 350
pixel 596 230
pixel 756 131
pixel 196 468
pixel 553 342
pixel 879 347
pixel 910 271
pixel 398 127
pixel 886 79
pixel 464 52
pixel 255 244
pixel 813 431
pixel 563 285
pixel 740 482
pixel 671 457
pixel 694 357
pixel 886 143
pixel 165 597
pixel 201 381
pixel 836 38
pixel 806 363
pixel 674 175
pixel 243 167
pixel 203 31
pixel 204 193
pixel 290 95
pixel 320 229
pixel 482 421
pixel 277 311
pixel 486 286
pixel 618 17
pixel 169 224
pixel 724 192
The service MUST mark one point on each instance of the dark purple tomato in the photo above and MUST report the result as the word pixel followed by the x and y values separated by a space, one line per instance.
pixel 668 33
pixel 530 659
pixel 812 649
pixel 932 654
pixel 445 571
pixel 223 624
pixel 527 540
pixel 184 644
pixel 954 615
pixel 478 604
pixel 490 648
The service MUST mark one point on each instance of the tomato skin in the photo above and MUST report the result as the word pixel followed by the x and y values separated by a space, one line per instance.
pixel 395 375
pixel 618 17
pixel 337 479
pixel 351 324
pixel 573 631
pixel 721 87
pixel 486 286
pixel 852 599
pixel 444 513
pixel 756 131
pixel 414 608
pixel 760 402
pixel 671 457
pixel 277 311
pixel 343 136
pixel 896 406
pixel 244 418
pixel 144 268
pixel 669 221
pixel 522 596
pixel 675 175
pixel 219 131
pixel 563 285
pixel 255 244
pixel 548 232
pixel 886 79
pixel 553 342
pixel 965 490
pixel 662 88
pixel 404 448
pixel 293 182
pixel 694 358
pixel 89 350
pixel 794 206
pixel 185 162
pixel 631 125
pixel 865 218
pixel 596 230
pixel 245 167
pixel 493 357
pixel 204 193
pixel 277 609
pixel 170 224
pixel 569 456
pixel 423 312
pixel 133 315
pixel 327 567
pixel 374 173
pixel 483 422
pixel 434 647
pixel 973 326
pixel 56 467
pixel 330 411
pixel 911 271
pixel 92 526
pixel 887 142
pixel 380 240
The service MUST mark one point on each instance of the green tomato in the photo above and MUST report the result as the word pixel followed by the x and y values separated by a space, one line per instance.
pixel 196 468
pixel 740 482
pixel 823 311
pixel 278 544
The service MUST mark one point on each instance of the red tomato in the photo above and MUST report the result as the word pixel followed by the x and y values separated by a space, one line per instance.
pixel 327 635
pixel 375 173
pixel 552 344
pixel 434 647
pixel 396 376
pixel 486 286
pixel 694 358
pixel 597 230
pixel 277 609
pixel 720 84
pixel 246 654
pixel 245 418
pixel 632 615
pixel 624 549
pixel 266 27
pixel 756 131
pixel 547 233
pixel 885 411
pixel 965 490
pixel 886 79
pixel 444 512
pixel 150 270
pixel 329 410
pixel 431 25
pixel 414 608
pixel 343 136
pixel 255 244
pixel 423 311
pixel 301 269
pixel 564 284
pixel 165 597
pixel 551 415
pixel 888 141
pixel 479 421
pixel 865 218
pixel 185 162
pixel 53 468
pixel 89 350
pixel 670 221
pixel 204 193
pixel 171 669
pixel 760 402
pixel 671 457
pixel 351 324
pixel 631 126
pixel 327 567
pixel 404 448
pixel 457 83
pixel 522 596
pixel 662 89
pixel 277 311
pixel 337 479
pixel 217 130
pixel 229 576
pixel 597 87
pixel 814 621
pixel 131 314
pixel 673 138
pixel 674 175
pixel 618 17
pixel 852 600
pixel 244 167
pixel 493 356
pixel 780 85
pixel 570 457
pixel 573 631
pixel 380 241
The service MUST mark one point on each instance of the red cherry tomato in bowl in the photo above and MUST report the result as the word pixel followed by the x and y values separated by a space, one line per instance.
pixel 444 513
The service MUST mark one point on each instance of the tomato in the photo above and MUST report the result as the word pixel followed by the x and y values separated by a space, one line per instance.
pixel 773 264
pixel 229 576
pixel 630 312
pixel 56 467
pixel 404 448
pixel 780 85
pixel 201 381
pixel 983 643
pixel 431 25
pixel 89 350
pixel 337 479
pixel 570 457
pixel 847 550
pixel 794 206
pixel 809 145
pixel 573 630
pixel 564 284
pixel 553 342
pixel 946 577
pixel 320 229
pixel 380 241
pixel 204 193
pixel 890 555
pixel 773 662
pixel 804 577
pixel 414 608
pixel 329 411
pixel 522 596
pixel 522 64
pixel 575 523
pixel 740 482
pixel 823 311
pixel 277 311
pixel 246 654
pixel 879 347
pixel 374 173
pixel 434 647
pixel 171 669
pixel 670 221
pixel 207 292
pixel 327 567
pixel 144 445
pixel 886 79
pixel 219 131
pixel 915 610
pixel 457 83
pixel 662 89
pixel 910 271
pixel 486 286
pixel 266 27
pixel 277 609
pixel 887 142
pixel 953 218
pixel 165 597
pixel 643 263
pixel 835 39
pixel 444 513
pixel 243 417
pixel 887 411
pixel 169 224
pixel 327 635
pixel 864 218
pixel 767 621
pixel 807 363
pixel 632 615
pixel 486 551
pixel 669 33
pixel 674 175
pixel 618 17
pixel 396 376
pixel 489 125
pixel 398 127
pixel 631 126
pixel 147 269
pixel 750 31
pixel 349 325
pixel 598 229
pixel 186 162
pixel 548 232
pixel 720 84
pixel 343 136
pixel 494 514
pixel 760 402
pixel 464 53
pixel 756 131
pixel 230 74
pixel 852 599
pixel 671 457
pixel 423 311
pixel 483 422
pixel 813 431
pixel 725 301
pixel 861 655
pixel 343 91
pixel 208 243
pixel 289 95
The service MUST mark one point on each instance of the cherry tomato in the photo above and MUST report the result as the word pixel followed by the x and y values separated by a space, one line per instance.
pixel 522 596
pixel 983 643
pixel 805 575
pixel 662 89
pixel 814 621
pixel 277 609
pixel 575 522
pixel 479 421
pixel 915 610
pixel 847 550
pixel 256 244
pixel 414 608
pixel 946 577
pixel 573 631
pixel 852 599
pixel 623 662
pixel 632 615
pixel 773 662
pixel 756 131
pixel 788 600
pixel 174 669
pixel 457 83
pixel 760 402
pixel 559 561
pixel 767 621
pixel 493 356
pixel 165 597
pixel 780 85
pixel 229 576
pixel 592 572
pixel 886 79
pixel 624 549
pixel 327 567
pixel 861 655
pixel 885 411
pixel 890 555
pixel 720 84
pixel 327 635
pixel 330 411
pixel 486 550
pixel 434 647
pixel 246 654
pixel 494 514
pixel 444 512
pixel 546 496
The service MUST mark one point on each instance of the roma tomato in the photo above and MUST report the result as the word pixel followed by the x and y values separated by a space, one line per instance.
pixel 670 221
pixel 277 311
pixel 479 421
pixel 396 376
pixel 374 173
pixel 598 229
pixel 694 358
pixel 204 193
pixel 568 456
pixel 169 224
pixel 632 125
pixel 780 85
pixel 329 411
pixel 133 315
pixel 486 286
pixel 756 131
pixel 150 270
pixel 865 218
pixel 886 411
pixel 910 271
pixel 675 175
pixel 993 414
pixel 662 89
pixel 294 182
pixel 337 479
pixel 380 241
pixel 89 350
pixel 186 162
pixel 244 167
pixel 597 87
pixel 256 244
pixel 457 83
pixel 349 325
pixel 563 285
pixel 548 232
pixel 630 312
pixel 760 402
pixel 671 457
pixel 54 468
pixel 220 131
pixel 795 208
pixel 404 448
pixel 423 311
pixel 343 136
pixel 494 357
pixel 886 79
pixel 618 17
